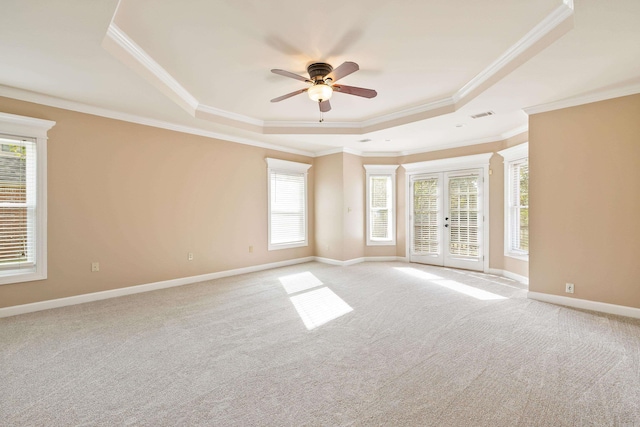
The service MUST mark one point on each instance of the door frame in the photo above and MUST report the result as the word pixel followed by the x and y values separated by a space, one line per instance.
pixel 477 161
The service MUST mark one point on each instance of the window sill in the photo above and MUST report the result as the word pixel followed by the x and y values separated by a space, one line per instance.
pixel 381 243
pixel 13 276
pixel 520 257
pixel 287 246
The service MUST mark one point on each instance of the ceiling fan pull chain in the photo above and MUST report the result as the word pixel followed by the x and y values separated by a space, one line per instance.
pixel 321 115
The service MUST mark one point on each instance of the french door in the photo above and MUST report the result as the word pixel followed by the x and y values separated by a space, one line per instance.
pixel 447 220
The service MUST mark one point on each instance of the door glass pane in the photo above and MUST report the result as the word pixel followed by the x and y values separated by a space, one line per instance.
pixel 425 217
pixel 463 216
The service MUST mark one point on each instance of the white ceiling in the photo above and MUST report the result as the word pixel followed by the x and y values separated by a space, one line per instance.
pixel 204 66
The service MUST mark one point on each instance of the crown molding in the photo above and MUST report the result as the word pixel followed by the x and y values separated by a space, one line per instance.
pixel 515 131
pixel 339 150
pixel 456 144
pixel 292 124
pixel 52 101
pixel 584 99
pixel 207 109
pixel 420 109
pixel 121 39
pixel 463 143
pixel 505 63
pixel 527 42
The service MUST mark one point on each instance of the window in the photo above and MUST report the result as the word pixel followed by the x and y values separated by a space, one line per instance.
pixel 23 198
pixel 516 190
pixel 287 200
pixel 381 202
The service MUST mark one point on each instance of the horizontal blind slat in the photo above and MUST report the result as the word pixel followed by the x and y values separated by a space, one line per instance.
pixel 17 202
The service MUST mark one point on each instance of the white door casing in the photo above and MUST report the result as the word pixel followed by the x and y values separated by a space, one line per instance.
pixel 449 188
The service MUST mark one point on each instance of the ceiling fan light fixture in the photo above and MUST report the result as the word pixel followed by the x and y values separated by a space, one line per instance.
pixel 320 92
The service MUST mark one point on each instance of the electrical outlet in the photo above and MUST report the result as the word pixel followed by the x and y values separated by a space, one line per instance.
pixel 95 266
pixel 190 256
pixel 570 287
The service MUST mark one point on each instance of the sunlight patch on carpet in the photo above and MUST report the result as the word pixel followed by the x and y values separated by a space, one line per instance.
pixel 417 273
pixel 468 290
pixel 299 282
pixel 319 306
pixel 451 284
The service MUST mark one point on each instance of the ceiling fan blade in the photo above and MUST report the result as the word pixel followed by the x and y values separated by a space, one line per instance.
pixel 290 74
pixel 325 106
pixel 357 91
pixel 343 70
pixel 289 95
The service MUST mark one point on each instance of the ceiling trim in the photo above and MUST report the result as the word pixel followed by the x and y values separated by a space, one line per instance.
pixel 124 42
pixel 51 101
pixel 464 143
pixel 207 109
pixel 79 107
pixel 554 25
pixel 510 56
pixel 339 150
pixel 584 99
pixel 420 109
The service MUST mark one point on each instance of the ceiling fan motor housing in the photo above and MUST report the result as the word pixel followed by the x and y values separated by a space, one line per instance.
pixel 319 70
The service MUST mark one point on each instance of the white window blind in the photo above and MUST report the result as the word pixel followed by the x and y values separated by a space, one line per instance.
pixel 464 218
pixel 381 213
pixel 381 222
pixel 519 206
pixel 287 204
pixel 288 213
pixel 516 201
pixel 17 203
pixel 426 215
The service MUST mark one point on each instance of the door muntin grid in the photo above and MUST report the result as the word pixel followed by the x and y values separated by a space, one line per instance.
pixel 426 217
pixel 464 217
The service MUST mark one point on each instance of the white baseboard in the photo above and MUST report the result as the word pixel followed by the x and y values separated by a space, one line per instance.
pixel 509 275
pixel 329 261
pixel 584 304
pixel 114 293
pixel 358 260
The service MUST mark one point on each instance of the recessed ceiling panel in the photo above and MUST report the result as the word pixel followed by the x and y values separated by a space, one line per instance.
pixel 410 52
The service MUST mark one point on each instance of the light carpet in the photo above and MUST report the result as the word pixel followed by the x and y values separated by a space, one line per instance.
pixel 370 344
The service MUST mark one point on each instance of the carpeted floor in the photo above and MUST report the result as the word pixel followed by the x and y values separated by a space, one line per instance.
pixel 371 344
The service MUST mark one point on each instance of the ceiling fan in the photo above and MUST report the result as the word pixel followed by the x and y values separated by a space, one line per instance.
pixel 322 78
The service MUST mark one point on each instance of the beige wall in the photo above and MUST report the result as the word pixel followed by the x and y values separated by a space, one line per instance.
pixel 340 206
pixel 346 172
pixel 137 199
pixel 328 206
pixel 354 182
pixel 585 199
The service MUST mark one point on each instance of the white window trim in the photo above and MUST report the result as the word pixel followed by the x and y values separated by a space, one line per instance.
pixel 277 165
pixel 510 155
pixel 387 171
pixel 27 127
